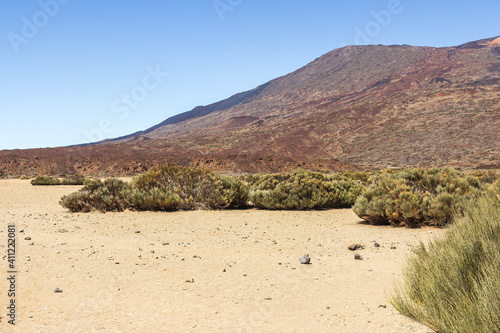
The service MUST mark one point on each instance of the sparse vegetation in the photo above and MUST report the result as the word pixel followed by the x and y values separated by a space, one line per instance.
pixel 416 197
pixel 453 285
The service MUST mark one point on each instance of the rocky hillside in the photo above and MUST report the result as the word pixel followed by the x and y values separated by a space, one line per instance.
pixel 368 106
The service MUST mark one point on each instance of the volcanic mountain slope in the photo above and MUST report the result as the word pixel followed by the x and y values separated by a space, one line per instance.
pixel 370 106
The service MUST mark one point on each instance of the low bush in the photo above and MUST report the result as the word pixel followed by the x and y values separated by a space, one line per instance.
pixel 453 285
pixel 300 190
pixel 196 188
pixel 153 199
pixel 416 197
pixel 161 189
pixel 66 180
pixel 97 195
pixel 45 180
pixel 73 180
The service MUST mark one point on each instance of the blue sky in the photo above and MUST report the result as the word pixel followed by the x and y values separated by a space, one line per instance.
pixel 74 71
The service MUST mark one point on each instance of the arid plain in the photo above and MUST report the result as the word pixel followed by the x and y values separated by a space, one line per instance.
pixel 198 271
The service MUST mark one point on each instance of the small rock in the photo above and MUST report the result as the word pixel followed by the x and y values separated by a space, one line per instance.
pixel 138 232
pixel 57 290
pixel 382 306
pixel 27 238
pixel 190 280
pixel 31 243
pixel 358 256
pixel 376 244
pixel 305 259
pixel 267 298
pixel 354 247
pixel 393 247
pixel 21 230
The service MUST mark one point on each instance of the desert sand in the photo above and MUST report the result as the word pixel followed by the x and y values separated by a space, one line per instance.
pixel 199 271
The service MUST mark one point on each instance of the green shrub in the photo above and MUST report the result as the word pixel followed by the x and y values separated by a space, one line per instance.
pixel 416 197
pixel 487 177
pixel 196 188
pixel 45 180
pixel 96 195
pixel 73 180
pixel 153 199
pixel 453 285
pixel 302 190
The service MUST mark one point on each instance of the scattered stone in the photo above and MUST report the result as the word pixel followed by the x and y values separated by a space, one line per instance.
pixel 57 290
pixel 138 232
pixel 354 247
pixel 21 230
pixel 305 259
pixel 62 230
pixel 32 243
pixel 393 247
pixel 27 238
pixel 165 244
pixel 267 298
pixel 376 244
pixel 382 306
pixel 358 256
pixel 190 280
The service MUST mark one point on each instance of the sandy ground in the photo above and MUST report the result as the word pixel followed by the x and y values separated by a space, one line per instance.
pixel 201 271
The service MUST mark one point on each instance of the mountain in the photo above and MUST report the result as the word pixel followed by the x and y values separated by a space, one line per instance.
pixel 359 106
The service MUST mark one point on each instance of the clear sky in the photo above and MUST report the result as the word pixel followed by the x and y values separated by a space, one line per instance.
pixel 74 71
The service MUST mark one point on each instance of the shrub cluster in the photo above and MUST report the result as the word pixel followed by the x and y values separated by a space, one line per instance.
pixel 45 180
pixel 165 188
pixel 302 190
pixel 171 188
pixel 453 284
pixel 417 197
pixel 66 180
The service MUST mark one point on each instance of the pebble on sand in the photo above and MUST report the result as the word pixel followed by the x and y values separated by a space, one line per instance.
pixel 354 247
pixel 57 290
pixel 305 259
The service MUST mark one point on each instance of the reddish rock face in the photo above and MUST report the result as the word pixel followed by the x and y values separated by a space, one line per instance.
pixel 358 106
